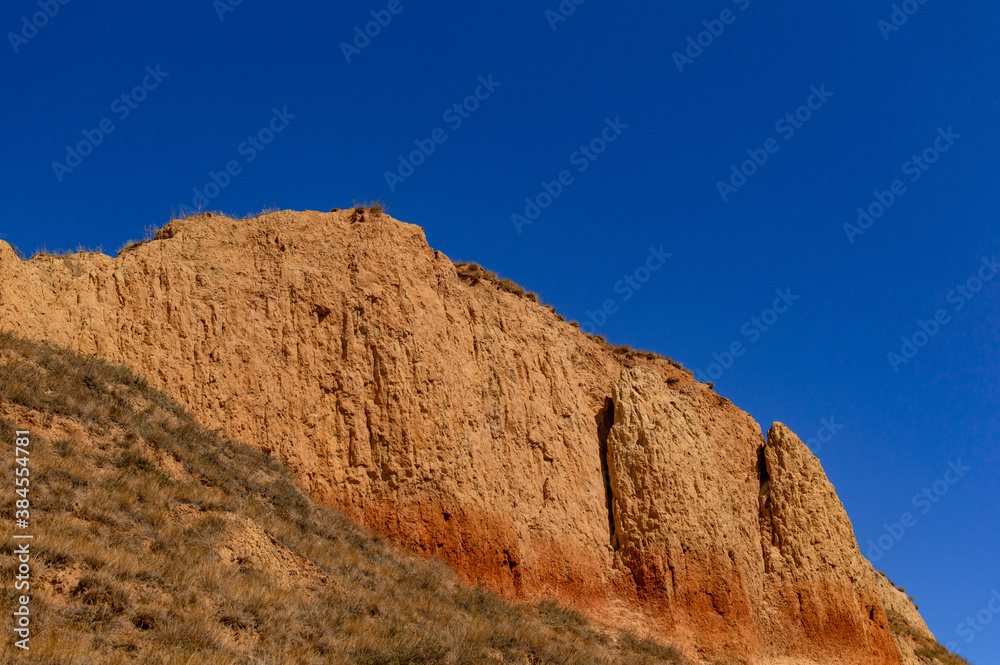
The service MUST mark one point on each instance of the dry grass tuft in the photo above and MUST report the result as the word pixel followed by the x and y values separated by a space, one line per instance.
pixel 69 255
pixel 269 210
pixel 368 209
pixel 151 233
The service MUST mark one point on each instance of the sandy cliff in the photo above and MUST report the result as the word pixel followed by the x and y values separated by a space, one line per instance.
pixel 472 424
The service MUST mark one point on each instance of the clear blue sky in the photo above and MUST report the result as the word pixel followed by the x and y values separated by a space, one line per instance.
pixel 607 69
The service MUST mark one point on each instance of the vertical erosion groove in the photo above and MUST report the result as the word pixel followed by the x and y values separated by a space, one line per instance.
pixel 605 420
pixel 768 535
pixel 762 474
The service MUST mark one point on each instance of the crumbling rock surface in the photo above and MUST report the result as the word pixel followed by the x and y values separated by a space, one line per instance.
pixel 471 424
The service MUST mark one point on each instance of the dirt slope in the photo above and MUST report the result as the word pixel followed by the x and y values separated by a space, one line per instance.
pixel 469 423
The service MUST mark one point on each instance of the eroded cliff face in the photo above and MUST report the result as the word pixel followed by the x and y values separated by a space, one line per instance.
pixel 735 537
pixel 474 425
pixel 816 576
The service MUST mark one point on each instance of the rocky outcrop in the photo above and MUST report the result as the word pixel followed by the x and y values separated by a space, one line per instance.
pixel 735 537
pixel 815 573
pixel 471 424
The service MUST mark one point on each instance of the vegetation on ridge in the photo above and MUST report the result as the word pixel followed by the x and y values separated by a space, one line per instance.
pixel 473 273
pixel 367 210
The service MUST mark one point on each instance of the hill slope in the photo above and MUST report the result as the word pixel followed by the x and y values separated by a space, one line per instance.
pixel 158 542
pixel 465 421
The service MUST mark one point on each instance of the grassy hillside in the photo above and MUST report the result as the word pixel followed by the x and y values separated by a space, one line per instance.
pixel 158 542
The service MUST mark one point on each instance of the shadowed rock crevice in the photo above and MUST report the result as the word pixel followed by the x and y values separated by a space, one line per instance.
pixel 762 474
pixel 605 421
pixel 765 514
